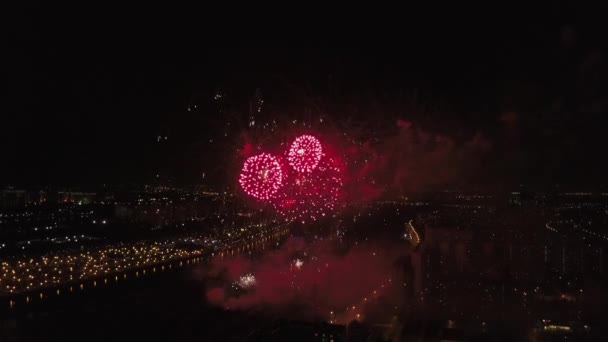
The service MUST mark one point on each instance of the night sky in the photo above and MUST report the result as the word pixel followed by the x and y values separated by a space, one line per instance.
pixel 84 107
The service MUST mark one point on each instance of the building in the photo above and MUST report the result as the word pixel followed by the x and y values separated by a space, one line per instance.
pixel 76 197
pixel 14 198
pixel 300 331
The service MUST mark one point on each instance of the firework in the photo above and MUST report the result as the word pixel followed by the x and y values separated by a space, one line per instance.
pixel 311 189
pixel 261 176
pixel 305 153
pixel 247 281
pixel 311 196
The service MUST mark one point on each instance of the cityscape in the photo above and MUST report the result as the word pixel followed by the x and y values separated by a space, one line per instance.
pixel 327 190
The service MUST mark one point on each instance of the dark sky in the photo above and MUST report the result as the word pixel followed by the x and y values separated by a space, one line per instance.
pixel 86 99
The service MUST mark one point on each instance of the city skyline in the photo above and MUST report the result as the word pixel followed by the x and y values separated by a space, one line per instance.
pixel 198 178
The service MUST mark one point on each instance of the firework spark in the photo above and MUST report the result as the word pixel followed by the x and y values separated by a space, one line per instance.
pixel 309 197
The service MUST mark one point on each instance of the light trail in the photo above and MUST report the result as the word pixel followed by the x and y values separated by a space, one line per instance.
pixel 415 237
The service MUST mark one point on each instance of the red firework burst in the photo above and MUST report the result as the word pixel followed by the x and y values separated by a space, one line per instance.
pixel 261 176
pixel 311 196
pixel 305 153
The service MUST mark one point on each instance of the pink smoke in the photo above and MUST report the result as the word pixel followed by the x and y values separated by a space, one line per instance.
pixel 327 280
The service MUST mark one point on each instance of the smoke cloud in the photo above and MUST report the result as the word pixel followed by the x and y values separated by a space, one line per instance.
pixel 414 160
pixel 304 279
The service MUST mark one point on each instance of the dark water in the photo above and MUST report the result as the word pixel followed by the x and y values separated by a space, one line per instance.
pixel 169 306
pixel 165 305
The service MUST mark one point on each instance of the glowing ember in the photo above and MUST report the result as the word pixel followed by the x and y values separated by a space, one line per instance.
pixel 261 176
pixel 305 153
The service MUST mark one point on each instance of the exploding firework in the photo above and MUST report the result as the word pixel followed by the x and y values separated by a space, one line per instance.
pixel 305 153
pixel 311 196
pixel 247 281
pixel 261 176
pixel 310 190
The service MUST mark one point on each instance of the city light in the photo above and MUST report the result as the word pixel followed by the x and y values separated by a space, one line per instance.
pixel 47 271
pixel 18 275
